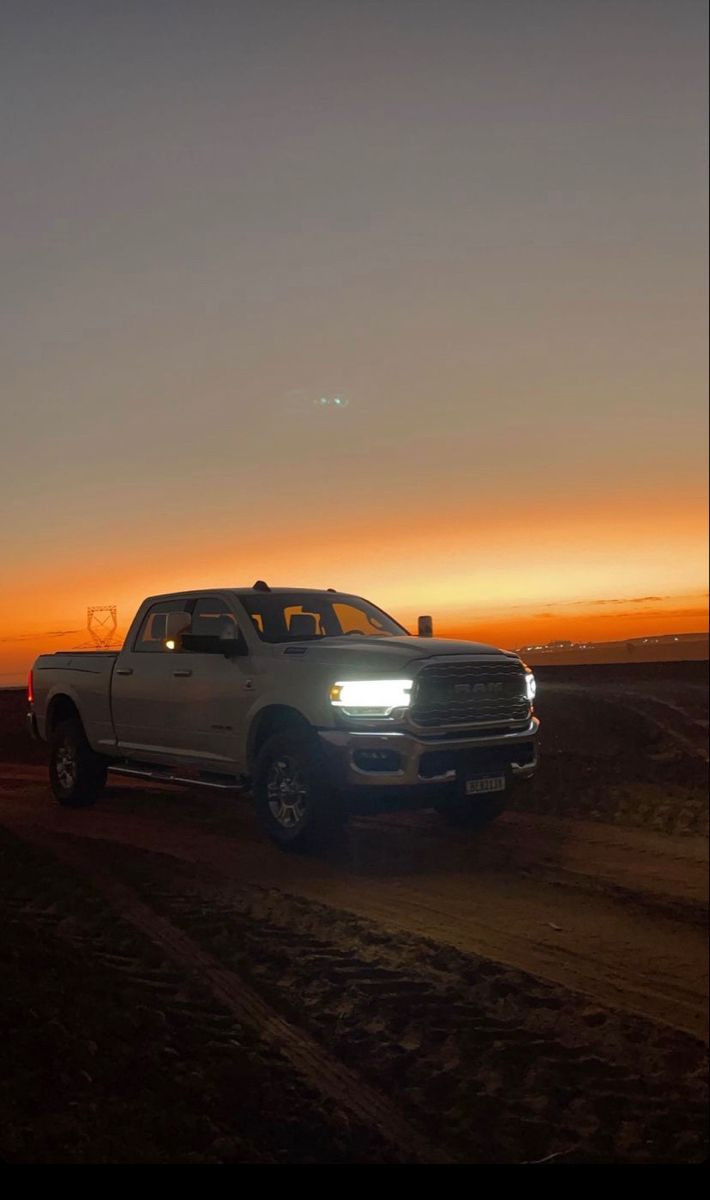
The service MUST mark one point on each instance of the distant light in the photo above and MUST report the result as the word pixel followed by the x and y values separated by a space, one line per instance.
pixel 339 401
pixel 170 645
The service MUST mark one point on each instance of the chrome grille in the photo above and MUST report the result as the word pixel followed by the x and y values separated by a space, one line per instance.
pixel 470 693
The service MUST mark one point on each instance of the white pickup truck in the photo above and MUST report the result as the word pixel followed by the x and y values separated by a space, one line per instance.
pixel 317 702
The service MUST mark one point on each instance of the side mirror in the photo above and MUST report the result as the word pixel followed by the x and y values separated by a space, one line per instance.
pixel 209 643
pixel 233 647
pixel 425 627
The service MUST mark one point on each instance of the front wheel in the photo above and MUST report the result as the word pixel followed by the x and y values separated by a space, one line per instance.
pixel 77 775
pixel 296 802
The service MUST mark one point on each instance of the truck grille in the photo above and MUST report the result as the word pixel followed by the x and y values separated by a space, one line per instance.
pixel 470 693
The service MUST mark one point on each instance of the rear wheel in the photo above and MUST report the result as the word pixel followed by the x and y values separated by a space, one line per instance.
pixel 297 804
pixel 77 775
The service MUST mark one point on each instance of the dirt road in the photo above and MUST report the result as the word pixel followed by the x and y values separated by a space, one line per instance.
pixel 615 914
pixel 538 990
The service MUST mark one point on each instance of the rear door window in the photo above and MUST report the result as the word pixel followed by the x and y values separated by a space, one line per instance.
pixel 153 633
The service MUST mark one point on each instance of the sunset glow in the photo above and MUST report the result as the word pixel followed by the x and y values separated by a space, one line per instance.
pixel 582 577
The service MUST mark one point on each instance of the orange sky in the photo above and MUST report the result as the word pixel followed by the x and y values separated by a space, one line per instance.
pixel 601 573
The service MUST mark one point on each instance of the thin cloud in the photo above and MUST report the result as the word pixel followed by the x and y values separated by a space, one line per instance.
pixel 601 603
pixel 660 612
pixel 610 601
pixel 635 600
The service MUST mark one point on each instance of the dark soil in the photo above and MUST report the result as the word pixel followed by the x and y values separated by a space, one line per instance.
pixel 109 1054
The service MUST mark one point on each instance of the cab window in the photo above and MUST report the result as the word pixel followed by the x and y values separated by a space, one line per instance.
pixel 213 623
pixel 355 620
pixel 158 624
pixel 301 620
pixel 211 617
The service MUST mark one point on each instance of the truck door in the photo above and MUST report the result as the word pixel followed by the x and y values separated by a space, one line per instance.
pixel 215 692
pixel 145 701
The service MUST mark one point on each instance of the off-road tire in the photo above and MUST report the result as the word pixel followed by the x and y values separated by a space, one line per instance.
pixel 294 755
pixel 77 775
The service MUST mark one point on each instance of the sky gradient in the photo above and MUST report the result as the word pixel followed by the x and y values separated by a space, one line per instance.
pixel 481 225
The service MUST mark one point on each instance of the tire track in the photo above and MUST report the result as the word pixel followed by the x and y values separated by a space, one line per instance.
pixel 501 1066
pixel 202 1089
pixel 162 985
pixel 316 1067
pixel 687 732
pixel 491 898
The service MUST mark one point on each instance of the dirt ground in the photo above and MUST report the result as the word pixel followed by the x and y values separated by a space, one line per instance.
pixel 176 990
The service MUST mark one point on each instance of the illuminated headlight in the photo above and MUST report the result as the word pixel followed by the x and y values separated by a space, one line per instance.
pixel 530 686
pixel 371 697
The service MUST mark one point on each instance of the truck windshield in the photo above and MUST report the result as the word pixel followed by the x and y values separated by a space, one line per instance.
pixel 307 616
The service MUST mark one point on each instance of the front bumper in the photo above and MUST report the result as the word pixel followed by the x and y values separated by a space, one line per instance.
pixel 422 762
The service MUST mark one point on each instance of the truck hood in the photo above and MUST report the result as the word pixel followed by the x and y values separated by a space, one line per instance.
pixel 385 654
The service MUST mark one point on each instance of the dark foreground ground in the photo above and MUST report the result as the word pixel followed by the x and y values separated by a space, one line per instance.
pixel 175 990
pixel 627 744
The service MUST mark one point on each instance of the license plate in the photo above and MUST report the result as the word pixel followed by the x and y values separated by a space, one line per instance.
pixel 475 786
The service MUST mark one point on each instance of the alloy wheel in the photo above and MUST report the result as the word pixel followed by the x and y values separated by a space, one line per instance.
pixel 66 766
pixel 287 792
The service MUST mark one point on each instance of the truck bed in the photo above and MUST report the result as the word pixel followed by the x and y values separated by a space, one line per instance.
pixel 85 676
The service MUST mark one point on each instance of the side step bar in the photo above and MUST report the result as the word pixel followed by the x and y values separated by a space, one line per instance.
pixel 158 776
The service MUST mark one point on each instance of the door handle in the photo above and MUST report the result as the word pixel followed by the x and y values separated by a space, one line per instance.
pixel 124 670
pixel 182 674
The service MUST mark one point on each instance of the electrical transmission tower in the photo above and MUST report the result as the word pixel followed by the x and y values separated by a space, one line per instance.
pixel 102 622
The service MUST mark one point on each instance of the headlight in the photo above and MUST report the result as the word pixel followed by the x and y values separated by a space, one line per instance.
pixel 530 685
pixel 371 697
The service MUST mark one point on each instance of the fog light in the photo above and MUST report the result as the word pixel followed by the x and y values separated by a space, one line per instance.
pixel 377 761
